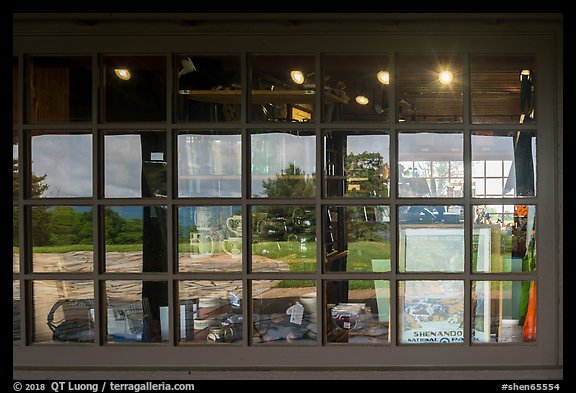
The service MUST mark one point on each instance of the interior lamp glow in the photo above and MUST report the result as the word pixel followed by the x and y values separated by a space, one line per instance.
pixel 445 77
pixel 362 99
pixel 524 73
pixel 297 76
pixel 123 73
pixel 383 77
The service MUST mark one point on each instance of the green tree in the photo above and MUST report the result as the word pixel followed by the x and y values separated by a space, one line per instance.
pixel 292 183
pixel 61 226
pixel 371 170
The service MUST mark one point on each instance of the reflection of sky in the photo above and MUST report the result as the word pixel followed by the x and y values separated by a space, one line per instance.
pixel 358 144
pixel 123 166
pixel 424 146
pixel 67 162
pixel 202 159
pixel 273 152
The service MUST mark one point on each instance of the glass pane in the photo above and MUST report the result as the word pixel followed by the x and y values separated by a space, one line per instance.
pixel 210 239
pixel 136 239
pixel 134 88
pixel 358 311
pixel 503 311
pixel 61 165
pixel 284 312
pixel 357 239
pixel 209 164
pixel 283 164
pixel 15 240
pixel 62 239
pixel 509 158
pixel 59 89
pixel 283 238
pixel 504 241
pixel 431 238
pixel 430 164
pixel 357 164
pixel 431 312
pixel 15 90
pixel 502 88
pixel 356 88
pixel 135 311
pixel 283 88
pixel 15 311
pixel 210 312
pixel 135 165
pixel 15 165
pixel 208 88
pixel 63 311
pixel 429 89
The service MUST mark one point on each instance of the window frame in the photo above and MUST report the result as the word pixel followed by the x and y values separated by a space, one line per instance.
pixel 100 354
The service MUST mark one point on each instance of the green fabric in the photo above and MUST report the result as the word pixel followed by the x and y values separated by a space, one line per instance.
pixel 528 263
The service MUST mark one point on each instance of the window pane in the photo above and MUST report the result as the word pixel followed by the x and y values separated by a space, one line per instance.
pixel 210 239
pixel 356 88
pixel 210 312
pixel 431 312
pixel 510 160
pixel 357 164
pixel 283 164
pixel 15 311
pixel 135 165
pixel 15 90
pixel 134 88
pixel 429 89
pixel 358 311
pixel 136 238
pixel 209 164
pixel 61 165
pixel 63 311
pixel 357 239
pixel 504 242
pixel 284 312
pixel 431 238
pixel 15 165
pixel 62 239
pixel 283 238
pixel 283 88
pixel 60 89
pixel 208 88
pixel 135 310
pixel 430 164
pixel 503 311
pixel 502 88
pixel 15 240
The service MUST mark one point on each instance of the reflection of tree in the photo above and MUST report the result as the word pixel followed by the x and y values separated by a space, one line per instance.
pixel 119 230
pixel 38 182
pixel 372 169
pixel 292 183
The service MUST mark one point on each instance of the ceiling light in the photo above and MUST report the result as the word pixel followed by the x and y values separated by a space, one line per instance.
pixel 383 77
pixel 297 76
pixel 362 99
pixel 445 77
pixel 123 73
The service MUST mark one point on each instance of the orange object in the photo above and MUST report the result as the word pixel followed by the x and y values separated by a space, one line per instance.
pixel 529 330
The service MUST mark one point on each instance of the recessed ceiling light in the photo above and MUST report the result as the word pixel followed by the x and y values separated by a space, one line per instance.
pixel 445 77
pixel 383 77
pixel 362 99
pixel 297 76
pixel 123 73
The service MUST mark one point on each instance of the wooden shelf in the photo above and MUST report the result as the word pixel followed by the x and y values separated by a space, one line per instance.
pixel 260 96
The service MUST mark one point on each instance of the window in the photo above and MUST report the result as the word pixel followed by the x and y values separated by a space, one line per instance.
pixel 202 199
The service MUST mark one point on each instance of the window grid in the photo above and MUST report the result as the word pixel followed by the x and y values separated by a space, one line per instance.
pixel 97 202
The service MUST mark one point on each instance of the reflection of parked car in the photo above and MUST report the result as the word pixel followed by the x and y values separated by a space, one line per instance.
pixel 429 215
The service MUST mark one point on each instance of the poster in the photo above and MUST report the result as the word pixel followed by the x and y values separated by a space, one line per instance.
pixel 432 249
pixel 431 312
